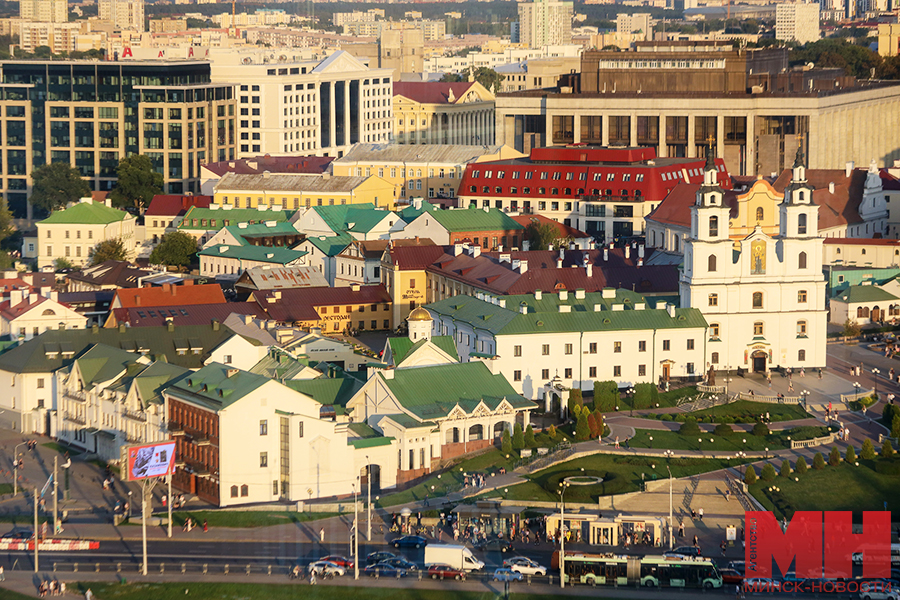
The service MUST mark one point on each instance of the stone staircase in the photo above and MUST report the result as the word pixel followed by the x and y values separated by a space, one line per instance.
pixel 704 401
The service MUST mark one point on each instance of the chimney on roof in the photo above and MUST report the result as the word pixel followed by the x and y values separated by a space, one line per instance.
pixel 188 282
pixel 95 328
pixel 579 294
pixel 562 253
pixel 501 303
pixel 589 269
pixel 505 258
pixel 457 249
pixel 538 294
pixel 565 308
pixel 641 251
pixel 232 372
pixel 417 240
pixel 523 266
pixel 266 174
pixel 170 324
pixel 523 308
pixel 605 254
pixel 215 324
pixel 592 245
pixel 137 299
pixel 670 308
pixel 475 251
pixel 559 262
pixel 515 262
pixel 122 327
pixel 563 294
pixel 627 252
pixel 16 297
pixel 849 168
pixel 830 187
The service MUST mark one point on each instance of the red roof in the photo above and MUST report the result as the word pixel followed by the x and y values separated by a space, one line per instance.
pixel 185 314
pixel 14 312
pixel 675 209
pixel 414 258
pixel 7 285
pixel 564 231
pixel 272 164
pixel 168 295
pixel 297 304
pixel 838 208
pixel 173 205
pixel 431 92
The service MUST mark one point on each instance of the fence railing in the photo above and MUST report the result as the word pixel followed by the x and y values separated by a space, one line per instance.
pixel 857 396
pixel 770 399
pixel 711 389
pixel 819 441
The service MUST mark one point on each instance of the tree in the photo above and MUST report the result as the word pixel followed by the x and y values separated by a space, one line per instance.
pixel 606 396
pixel 818 461
pixel 851 328
pixel 111 249
pixel 175 249
pixel 689 427
pixel 6 228
pixel 137 183
pixel 867 452
pixel 834 457
pixel 750 475
pixel 486 76
pixel 850 455
pixel 760 430
pixel 518 439
pixel 551 431
pixel 529 437
pixel 62 263
pixel 55 185
pixel 887 415
pixel 768 472
pixel 887 450
pixel 505 442
pixel 576 411
pixel 574 398
pixel 582 431
pixel 723 430
pixel 785 470
pixel 642 395
pixel 856 61
pixel 540 236
pixel 800 467
pixel 895 426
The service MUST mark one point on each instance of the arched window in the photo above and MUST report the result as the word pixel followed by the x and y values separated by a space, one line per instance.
pixel 714 358
pixel 801 260
pixel 801 224
pixel 234 491
pixel 801 328
pixel 801 355
pixel 757 299
pixel 676 243
pixel 838 250
pixel 801 196
pixel 245 491
pixel 713 299
pixel 48 312
pixel 714 226
pixel 714 331
pixel 711 263
pixel 864 251
pixel 759 213
pixel 758 328
pixel 653 239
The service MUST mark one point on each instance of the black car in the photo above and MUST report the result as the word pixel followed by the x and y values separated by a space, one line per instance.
pixel 376 557
pixel 383 570
pixel 400 563
pixel 17 535
pixel 494 544
pixel 689 551
pixel 409 541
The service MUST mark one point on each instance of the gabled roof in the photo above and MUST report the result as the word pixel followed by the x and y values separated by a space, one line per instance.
pixel 169 295
pixel 352 217
pixel 408 153
pixel 374 249
pixel 217 386
pixel 276 255
pixel 216 216
pixel 280 365
pixel 330 245
pixel 401 347
pixel 326 390
pixel 117 273
pixel 675 209
pixel 413 258
pixel 289 182
pixel 864 293
pixel 101 363
pixel 433 392
pixel 185 314
pixel 475 219
pixel 244 232
pixel 298 304
pixel 835 209
pixel 7 285
pixel 154 379
pixel 280 278
pixel 410 212
pixel 432 92
pixel 11 312
pixel 562 230
pixel 173 205
pixel 272 164
pixel 86 213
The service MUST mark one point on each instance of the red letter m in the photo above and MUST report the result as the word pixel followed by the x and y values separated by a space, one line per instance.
pixel 802 541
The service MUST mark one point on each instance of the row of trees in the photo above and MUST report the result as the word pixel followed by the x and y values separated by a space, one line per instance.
pixel 520 439
pixel 607 396
pixel 867 452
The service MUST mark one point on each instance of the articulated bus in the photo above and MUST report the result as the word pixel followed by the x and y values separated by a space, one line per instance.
pixel 646 571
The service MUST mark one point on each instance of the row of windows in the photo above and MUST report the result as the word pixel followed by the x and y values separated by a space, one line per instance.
pixel 757 301
pixel 714 357
pixel 555 175
pixel 542 191
pixel 758 329
pixel 349 309
pixel 264 429
pixel 592 372
pixel 592 347
pixel 712 261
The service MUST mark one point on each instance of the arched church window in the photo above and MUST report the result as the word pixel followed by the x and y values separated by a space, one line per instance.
pixel 801 224
pixel 711 266
pixel 714 226
pixel 801 196
pixel 802 260
pixel 759 213
pixel 757 299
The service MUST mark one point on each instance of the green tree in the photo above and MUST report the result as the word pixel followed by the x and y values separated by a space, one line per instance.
pixel 505 442
pixel 750 475
pixel 785 470
pixel 643 396
pixel 760 430
pixel 800 468
pixel 887 415
pixel 176 249
pixel 856 61
pixel 62 263
pixel 551 432
pixel 486 76
pixel 723 430
pixel 834 457
pixel 887 450
pixel 111 249
pixel 574 398
pixel 867 452
pixel 6 227
pixel 529 437
pixel 850 455
pixel 768 472
pixel 518 439
pixel 689 427
pixel 895 426
pixel 582 431
pixel 576 410
pixel 540 236
pixel 606 396
pixel 851 328
pixel 55 185
pixel 137 183
pixel 818 461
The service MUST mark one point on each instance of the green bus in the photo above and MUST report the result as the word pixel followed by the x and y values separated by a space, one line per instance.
pixel 646 571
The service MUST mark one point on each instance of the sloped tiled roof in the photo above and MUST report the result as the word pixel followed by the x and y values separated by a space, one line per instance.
pixel 280 278
pixel 272 164
pixel 118 273
pixel 87 213
pixel 562 230
pixel 327 390
pixel 475 219
pixel 431 92
pixel 194 314
pixel 865 293
pixel 429 153
pixel 276 255
pixel 289 182
pixel 170 295
pixel 331 245
pixel 298 304
pixel 223 216
pixel 352 217
pixel 172 205
pixel 675 209
pixel 213 388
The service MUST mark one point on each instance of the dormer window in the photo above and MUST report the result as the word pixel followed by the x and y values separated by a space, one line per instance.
pixel 801 222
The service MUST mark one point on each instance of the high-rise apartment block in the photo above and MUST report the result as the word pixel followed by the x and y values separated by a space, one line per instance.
pixel 545 23
pixel 635 23
pixel 127 15
pixel 45 11
pixel 797 22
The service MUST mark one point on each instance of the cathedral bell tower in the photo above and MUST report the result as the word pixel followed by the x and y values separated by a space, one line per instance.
pixel 799 216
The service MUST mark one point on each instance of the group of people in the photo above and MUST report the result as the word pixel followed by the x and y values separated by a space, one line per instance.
pixel 475 479
pixel 52 587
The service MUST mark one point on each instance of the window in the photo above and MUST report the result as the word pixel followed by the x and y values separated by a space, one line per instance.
pixel 263 459
pixel 263 427
pixel 545 374
pixel 690 344
pixel 245 491
pixel 801 224
pixel 40 383
pixel 801 260
pixel 757 300
pixel 713 299
pixel 517 350
pixel 714 226
pixel 714 358
pixel 642 370
pixel 714 331
pixel 568 348
pixel 801 328
pixel 801 355
pixel 517 375
pixel 642 346
pixel 801 296
pixel 545 349
pixel 592 348
pixel 711 263
pixel 234 491
pixel 690 368
pixel 568 373
pixel 617 347
pixel 759 213
pixel 301 428
pixel 617 371
pixel 758 328
pixel 666 345
pixel 592 372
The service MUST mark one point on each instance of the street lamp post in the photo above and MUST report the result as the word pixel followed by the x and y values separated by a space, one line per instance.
pixel 700 445
pixel 630 393
pixel 741 456
pixel 562 534
pixel 804 395
pixel 355 534
pixel 16 467
pixel 767 453
pixel 671 538
pixel 875 373
pixel 369 501
pixel 651 442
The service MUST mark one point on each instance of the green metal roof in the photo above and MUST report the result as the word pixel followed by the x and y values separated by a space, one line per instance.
pixel 865 293
pixel 407 422
pixel 331 245
pixel 359 444
pixel 102 363
pixel 218 218
pixel 411 212
pixel 87 213
pixel 154 379
pixel 432 392
pixel 280 365
pixel 258 230
pixel 327 390
pixel 363 430
pixel 211 387
pixel 267 254
pixel 352 217
pixel 401 347
pixel 475 219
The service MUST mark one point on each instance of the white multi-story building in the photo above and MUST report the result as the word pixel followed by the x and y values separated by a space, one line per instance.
pixel 45 11
pixel 73 233
pixel 545 23
pixel 763 295
pixel 316 107
pixel 124 14
pixel 635 23
pixel 797 22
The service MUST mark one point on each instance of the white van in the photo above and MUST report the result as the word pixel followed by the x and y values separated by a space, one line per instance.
pixel 458 557
pixel 895 555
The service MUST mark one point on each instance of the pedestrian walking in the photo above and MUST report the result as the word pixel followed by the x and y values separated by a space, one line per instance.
pixel 802 372
pixel 322 535
pixel 723 545
pixel 700 512
pixel 617 441
pixel 681 529
pixel 205 526
pixel 2 574
pixel 696 542
pixel 312 577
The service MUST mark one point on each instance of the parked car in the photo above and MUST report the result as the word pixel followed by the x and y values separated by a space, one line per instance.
pixel 17 535
pixel 494 544
pixel 878 590
pixel 738 565
pixel 376 557
pixel 762 584
pixel 400 563
pixel 732 576
pixel 689 551
pixel 326 569
pixel 409 541
pixel 524 565
pixel 446 572
pixel 507 575
pixel 384 570
pixel 340 561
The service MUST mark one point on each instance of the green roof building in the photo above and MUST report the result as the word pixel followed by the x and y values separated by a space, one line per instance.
pixel 72 233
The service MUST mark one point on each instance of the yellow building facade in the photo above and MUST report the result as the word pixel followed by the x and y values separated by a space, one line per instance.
pixel 296 191
pixel 435 112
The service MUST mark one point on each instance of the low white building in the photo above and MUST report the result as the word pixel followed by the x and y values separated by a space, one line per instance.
pixel 73 232
pixel 26 315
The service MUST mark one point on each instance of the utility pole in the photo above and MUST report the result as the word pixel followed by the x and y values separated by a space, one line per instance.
pixel 355 534
pixel 169 503
pixel 36 540
pixel 369 502
pixel 671 542
pixel 56 527
pixel 16 469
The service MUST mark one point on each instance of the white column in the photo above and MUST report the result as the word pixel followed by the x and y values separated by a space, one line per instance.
pixel 576 129
pixel 661 150
pixel 720 136
pixel 332 129
pixel 346 113
pixel 691 132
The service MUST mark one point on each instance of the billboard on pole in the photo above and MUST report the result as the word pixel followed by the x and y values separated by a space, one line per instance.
pixel 150 460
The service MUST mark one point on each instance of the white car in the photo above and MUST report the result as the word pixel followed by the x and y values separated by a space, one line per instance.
pixel 524 565
pixel 878 590
pixel 327 569
pixel 761 585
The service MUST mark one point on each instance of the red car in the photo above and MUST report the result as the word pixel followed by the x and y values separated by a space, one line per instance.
pixel 445 572
pixel 338 560
pixel 731 576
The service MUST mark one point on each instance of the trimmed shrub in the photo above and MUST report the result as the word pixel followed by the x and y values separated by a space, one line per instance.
pixel 760 430
pixel 888 466
pixel 850 455
pixel 680 418
pixel 750 476
pixel 606 396
pixel 818 461
pixel 689 427
pixel 529 437
pixel 723 430
pixel 800 467
pixel 518 438
pixel 582 431
pixel 887 450
pixel 834 457
pixel 785 470
pixel 895 426
pixel 768 472
pixel 666 417
pixel 505 442
pixel 867 452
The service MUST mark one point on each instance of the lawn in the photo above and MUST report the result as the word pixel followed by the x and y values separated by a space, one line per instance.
pixel 844 487
pixel 62 448
pixel 249 591
pixel 11 595
pixel 776 440
pixel 240 519
pixel 666 399
pixel 620 474
pixel 6 488
pixel 745 411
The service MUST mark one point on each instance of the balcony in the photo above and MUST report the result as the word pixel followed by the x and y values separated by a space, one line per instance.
pixel 75 395
pixel 175 428
pixel 134 439
pixel 134 415
pixel 73 418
